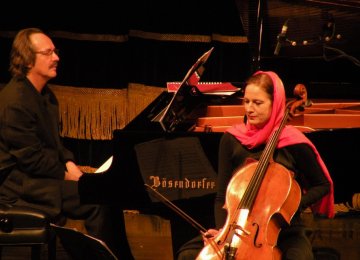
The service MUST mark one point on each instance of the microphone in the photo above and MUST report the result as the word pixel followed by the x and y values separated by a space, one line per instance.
pixel 281 38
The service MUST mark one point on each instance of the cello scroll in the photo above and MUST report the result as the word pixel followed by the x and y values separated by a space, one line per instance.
pixel 301 101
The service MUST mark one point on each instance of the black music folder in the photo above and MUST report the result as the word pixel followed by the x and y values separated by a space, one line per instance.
pixel 81 246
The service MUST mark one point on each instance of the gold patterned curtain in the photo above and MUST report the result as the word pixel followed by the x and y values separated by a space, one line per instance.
pixel 92 113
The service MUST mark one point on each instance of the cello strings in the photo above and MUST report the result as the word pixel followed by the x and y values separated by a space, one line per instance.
pixel 266 157
pixel 252 189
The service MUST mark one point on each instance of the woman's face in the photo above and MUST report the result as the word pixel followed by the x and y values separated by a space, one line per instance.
pixel 258 105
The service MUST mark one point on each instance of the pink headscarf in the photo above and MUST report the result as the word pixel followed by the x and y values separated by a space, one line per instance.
pixel 252 137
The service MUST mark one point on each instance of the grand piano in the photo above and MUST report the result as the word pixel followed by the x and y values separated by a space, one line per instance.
pixel 172 145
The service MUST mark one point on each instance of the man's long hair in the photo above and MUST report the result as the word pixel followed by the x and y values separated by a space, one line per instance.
pixel 22 55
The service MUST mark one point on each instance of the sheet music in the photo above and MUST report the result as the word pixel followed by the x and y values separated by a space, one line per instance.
pixel 105 166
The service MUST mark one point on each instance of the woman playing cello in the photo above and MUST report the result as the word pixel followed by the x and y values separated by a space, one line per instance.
pixel 264 102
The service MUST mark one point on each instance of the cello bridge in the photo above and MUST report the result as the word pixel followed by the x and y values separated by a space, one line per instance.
pixel 241 229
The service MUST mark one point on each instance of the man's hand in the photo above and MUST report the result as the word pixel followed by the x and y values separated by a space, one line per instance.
pixel 73 173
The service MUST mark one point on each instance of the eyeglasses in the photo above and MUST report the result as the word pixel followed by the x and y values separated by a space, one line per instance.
pixel 48 52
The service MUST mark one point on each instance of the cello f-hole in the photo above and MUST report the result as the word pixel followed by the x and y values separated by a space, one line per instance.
pixel 257 245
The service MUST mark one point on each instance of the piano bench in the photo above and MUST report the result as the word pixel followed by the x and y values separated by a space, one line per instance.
pixel 26 227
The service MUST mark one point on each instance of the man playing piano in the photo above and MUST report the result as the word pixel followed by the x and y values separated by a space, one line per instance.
pixel 36 170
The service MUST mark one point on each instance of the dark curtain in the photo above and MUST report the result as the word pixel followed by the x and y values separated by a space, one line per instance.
pixel 108 45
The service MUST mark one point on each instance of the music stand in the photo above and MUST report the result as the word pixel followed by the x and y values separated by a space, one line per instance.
pixel 181 103
pixel 82 246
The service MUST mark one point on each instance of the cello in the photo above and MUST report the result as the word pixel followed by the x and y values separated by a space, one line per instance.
pixel 261 198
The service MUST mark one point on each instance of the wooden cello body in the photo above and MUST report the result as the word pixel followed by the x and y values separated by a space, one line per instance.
pixel 261 198
pixel 277 201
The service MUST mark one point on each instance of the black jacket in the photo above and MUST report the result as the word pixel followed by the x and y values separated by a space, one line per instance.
pixel 32 158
